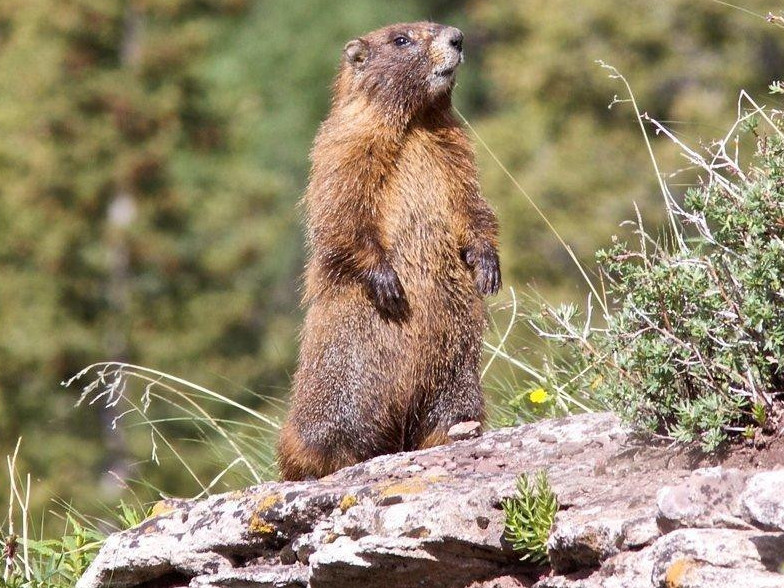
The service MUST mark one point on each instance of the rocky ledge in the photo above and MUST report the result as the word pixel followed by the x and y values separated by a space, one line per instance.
pixel 631 515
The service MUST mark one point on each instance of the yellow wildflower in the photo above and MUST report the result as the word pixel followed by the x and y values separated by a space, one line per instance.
pixel 539 396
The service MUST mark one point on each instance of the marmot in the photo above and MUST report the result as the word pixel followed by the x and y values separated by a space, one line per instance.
pixel 402 247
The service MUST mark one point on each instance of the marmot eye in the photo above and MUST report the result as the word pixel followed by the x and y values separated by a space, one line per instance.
pixel 401 41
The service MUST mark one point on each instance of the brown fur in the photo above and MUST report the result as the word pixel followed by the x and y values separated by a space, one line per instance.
pixel 402 248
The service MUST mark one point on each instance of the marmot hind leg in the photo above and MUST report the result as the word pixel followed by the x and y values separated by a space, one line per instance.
pixel 299 460
pixel 458 401
pixel 438 434
pixel 343 408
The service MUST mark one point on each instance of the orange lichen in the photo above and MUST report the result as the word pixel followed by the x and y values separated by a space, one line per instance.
pixel 678 571
pixel 163 507
pixel 258 523
pixel 347 502
pixel 267 502
pixel 410 486
pixel 260 526
pixel 414 485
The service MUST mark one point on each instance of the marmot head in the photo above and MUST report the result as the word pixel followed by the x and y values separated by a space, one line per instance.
pixel 402 68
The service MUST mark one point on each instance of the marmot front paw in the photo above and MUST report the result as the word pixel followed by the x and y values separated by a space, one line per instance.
pixel 487 269
pixel 387 293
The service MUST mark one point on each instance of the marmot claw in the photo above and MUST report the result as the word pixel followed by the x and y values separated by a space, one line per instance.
pixel 487 268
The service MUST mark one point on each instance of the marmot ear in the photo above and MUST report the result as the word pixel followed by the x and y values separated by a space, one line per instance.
pixel 357 52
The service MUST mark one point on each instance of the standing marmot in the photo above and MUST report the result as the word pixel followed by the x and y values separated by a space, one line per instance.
pixel 402 248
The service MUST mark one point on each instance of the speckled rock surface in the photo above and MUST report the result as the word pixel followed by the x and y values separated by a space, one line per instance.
pixel 630 515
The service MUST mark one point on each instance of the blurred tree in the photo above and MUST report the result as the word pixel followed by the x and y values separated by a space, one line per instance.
pixel 131 225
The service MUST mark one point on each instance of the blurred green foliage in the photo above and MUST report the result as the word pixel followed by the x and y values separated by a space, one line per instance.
pixel 547 116
pixel 152 153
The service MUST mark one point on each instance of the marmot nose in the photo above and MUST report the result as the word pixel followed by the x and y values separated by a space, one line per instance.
pixel 455 37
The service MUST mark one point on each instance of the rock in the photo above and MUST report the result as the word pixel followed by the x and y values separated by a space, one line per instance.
pixel 763 499
pixel 693 574
pixel 255 575
pixel 585 538
pixel 625 570
pixel 678 555
pixel 502 582
pixel 631 515
pixel 464 430
pixel 445 563
pixel 708 498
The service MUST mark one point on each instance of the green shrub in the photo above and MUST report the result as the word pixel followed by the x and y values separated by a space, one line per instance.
pixel 692 345
pixel 529 517
pixel 697 341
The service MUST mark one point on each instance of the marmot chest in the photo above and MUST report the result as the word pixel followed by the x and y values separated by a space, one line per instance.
pixel 421 207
